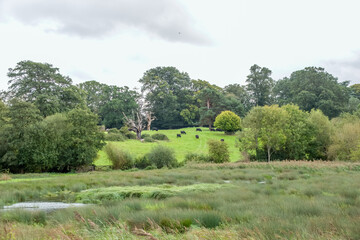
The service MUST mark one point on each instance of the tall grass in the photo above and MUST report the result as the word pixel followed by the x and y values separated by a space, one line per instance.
pixel 291 200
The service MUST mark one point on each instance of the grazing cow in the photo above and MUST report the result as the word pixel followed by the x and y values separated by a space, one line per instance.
pixel 183 132
pixel 219 130
pixel 198 130
pixel 155 129
pixel 178 135
pixel 212 129
pixel 197 136
pixel 222 140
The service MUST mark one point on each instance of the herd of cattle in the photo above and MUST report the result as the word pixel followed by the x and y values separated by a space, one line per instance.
pixel 198 130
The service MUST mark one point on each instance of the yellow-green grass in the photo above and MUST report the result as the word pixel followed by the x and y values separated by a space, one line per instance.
pixel 182 146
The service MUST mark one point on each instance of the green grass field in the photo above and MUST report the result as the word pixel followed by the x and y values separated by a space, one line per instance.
pixel 280 200
pixel 186 144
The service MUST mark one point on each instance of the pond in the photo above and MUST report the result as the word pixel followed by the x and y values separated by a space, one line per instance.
pixel 42 206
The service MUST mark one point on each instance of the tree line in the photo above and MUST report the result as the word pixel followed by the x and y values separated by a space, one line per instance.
pixel 43 109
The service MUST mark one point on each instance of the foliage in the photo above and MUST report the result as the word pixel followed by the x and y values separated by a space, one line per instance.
pixel 265 129
pixel 345 139
pixel 162 156
pixel 109 102
pixel 218 151
pixel 167 91
pixel 196 157
pixel 142 162
pixel 43 85
pixel 228 121
pixel 211 101
pixel 119 158
pixel 149 139
pixel 313 88
pixel 259 85
pixel 115 137
pixel 322 130
pixel 159 136
pixel 60 142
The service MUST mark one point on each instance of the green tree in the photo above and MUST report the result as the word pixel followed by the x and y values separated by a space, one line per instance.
pixel 218 151
pixel 167 92
pixel 211 101
pixel 265 129
pixel 20 116
pixel 313 88
pixel 43 85
pixel 322 130
pixel 110 102
pixel 241 95
pixel 259 85
pixel 228 121
pixel 298 135
pixel 83 140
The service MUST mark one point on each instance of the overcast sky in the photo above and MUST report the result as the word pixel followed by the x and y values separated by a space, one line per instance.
pixel 116 41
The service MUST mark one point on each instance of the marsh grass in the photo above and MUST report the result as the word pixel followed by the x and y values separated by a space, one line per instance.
pixel 250 201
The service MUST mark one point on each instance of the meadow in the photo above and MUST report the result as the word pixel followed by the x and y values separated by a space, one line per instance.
pixel 280 200
pixel 182 146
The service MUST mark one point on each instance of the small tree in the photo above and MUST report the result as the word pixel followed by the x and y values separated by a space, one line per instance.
pixel 218 151
pixel 228 121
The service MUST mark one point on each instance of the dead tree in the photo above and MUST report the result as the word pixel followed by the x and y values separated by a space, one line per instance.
pixel 149 119
pixel 136 123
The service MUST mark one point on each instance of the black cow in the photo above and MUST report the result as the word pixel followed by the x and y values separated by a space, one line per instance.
pixel 219 130
pixel 178 135
pixel 197 136
pixel 222 140
pixel 155 129
pixel 198 130
pixel 212 129
pixel 183 132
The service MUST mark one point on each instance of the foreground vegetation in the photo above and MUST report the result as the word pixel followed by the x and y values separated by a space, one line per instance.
pixel 280 200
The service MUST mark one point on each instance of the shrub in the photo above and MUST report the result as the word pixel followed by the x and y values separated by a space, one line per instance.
pixel 120 159
pixel 115 137
pixel 113 130
pixel 218 151
pixel 228 121
pixel 162 156
pixel 130 135
pixel 196 157
pixel 159 136
pixel 149 139
pixel 142 162
pixel 144 135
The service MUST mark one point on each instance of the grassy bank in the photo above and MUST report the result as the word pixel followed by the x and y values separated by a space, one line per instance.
pixel 289 200
pixel 186 144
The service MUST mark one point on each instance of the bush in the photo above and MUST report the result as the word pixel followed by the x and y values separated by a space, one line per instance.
pixel 195 157
pixel 162 156
pixel 144 135
pixel 130 135
pixel 113 130
pixel 120 159
pixel 218 151
pixel 228 121
pixel 160 136
pixel 149 139
pixel 115 137
pixel 142 162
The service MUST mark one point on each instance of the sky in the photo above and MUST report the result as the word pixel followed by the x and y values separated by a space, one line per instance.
pixel 116 41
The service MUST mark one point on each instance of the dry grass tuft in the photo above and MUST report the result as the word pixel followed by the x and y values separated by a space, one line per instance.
pixel 5 177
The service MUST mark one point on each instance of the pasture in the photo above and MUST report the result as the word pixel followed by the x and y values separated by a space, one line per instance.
pixel 186 144
pixel 280 200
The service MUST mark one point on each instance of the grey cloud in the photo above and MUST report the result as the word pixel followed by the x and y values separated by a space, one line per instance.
pixel 96 18
pixel 345 70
